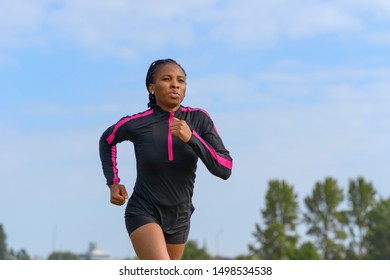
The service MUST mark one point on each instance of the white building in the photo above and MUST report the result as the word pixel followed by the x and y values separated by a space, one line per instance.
pixel 94 253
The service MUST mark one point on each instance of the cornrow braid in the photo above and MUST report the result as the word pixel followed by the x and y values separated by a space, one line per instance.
pixel 150 76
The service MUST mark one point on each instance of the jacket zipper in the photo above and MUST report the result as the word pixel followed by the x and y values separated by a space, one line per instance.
pixel 170 145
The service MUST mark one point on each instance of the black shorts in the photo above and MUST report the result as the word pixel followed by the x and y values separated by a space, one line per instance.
pixel 134 221
pixel 174 221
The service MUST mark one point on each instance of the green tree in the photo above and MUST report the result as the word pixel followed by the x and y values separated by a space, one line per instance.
pixel 307 251
pixel 325 221
pixel 247 257
pixel 63 256
pixel 361 199
pixel 193 252
pixel 20 255
pixel 278 238
pixel 3 244
pixel 377 240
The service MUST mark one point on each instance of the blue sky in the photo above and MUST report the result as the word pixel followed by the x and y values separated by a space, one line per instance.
pixel 299 90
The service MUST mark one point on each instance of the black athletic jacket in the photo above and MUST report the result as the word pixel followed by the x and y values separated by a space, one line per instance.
pixel 165 164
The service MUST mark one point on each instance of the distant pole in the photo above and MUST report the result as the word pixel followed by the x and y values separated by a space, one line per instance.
pixel 217 241
pixel 54 237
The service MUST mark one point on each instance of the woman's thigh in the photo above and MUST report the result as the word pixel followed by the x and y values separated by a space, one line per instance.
pixel 149 242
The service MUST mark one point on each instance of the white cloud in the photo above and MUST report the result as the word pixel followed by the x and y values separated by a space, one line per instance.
pixel 6 59
pixel 125 29
pixel 20 22
pixel 270 21
pixel 218 90
pixel 378 9
pixel 91 110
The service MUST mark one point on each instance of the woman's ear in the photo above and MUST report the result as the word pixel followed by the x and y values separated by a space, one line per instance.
pixel 151 88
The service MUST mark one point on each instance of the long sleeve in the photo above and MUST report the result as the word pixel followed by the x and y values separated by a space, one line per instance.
pixel 121 131
pixel 108 158
pixel 108 149
pixel 210 149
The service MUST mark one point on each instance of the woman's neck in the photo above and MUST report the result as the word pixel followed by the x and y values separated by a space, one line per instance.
pixel 168 109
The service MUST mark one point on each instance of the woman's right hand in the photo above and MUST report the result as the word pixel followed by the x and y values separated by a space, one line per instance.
pixel 118 194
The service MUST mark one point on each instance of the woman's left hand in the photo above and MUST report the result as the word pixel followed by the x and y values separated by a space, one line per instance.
pixel 181 129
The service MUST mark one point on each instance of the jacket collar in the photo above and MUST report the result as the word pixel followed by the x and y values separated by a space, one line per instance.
pixel 158 111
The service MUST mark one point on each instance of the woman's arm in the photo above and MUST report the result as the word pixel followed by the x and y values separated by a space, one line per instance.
pixel 207 145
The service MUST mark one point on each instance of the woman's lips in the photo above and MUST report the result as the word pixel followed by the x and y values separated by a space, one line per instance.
pixel 174 94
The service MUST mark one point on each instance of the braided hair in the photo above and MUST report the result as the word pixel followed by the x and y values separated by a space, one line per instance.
pixel 150 77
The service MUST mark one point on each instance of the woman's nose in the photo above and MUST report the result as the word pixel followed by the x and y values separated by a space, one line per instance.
pixel 174 84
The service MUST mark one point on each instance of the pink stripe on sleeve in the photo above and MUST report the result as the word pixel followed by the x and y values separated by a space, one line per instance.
pixel 115 180
pixel 221 160
pixel 111 137
pixel 189 109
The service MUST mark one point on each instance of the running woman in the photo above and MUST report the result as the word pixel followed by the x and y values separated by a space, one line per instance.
pixel 168 140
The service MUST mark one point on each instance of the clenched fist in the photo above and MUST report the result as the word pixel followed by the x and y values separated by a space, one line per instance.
pixel 118 194
pixel 181 129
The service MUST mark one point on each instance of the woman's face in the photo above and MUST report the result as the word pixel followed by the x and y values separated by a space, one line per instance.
pixel 169 86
